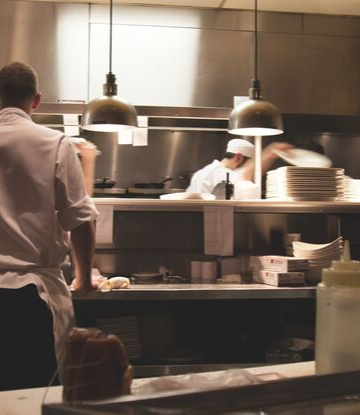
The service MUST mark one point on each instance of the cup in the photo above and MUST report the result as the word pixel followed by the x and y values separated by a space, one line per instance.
pixel 196 272
pixel 209 272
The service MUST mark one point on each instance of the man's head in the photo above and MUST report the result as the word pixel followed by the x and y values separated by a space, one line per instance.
pixel 238 150
pixel 19 87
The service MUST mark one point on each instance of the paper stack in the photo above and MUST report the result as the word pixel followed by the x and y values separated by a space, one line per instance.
pixel 279 270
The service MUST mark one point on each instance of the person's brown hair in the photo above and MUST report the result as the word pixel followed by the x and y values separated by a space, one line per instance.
pixel 18 84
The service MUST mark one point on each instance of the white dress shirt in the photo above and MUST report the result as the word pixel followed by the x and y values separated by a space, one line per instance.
pixel 42 198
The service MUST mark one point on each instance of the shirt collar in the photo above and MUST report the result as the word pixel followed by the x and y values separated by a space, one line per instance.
pixel 15 111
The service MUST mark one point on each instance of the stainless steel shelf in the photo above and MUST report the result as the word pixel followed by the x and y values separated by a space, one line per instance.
pixel 171 292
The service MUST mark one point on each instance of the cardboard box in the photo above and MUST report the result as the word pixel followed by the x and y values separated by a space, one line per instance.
pixel 279 263
pixel 279 278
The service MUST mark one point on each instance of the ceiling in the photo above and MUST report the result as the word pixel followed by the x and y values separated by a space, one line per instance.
pixel 334 7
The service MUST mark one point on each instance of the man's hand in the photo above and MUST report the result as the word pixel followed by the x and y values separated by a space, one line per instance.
pixel 96 280
pixel 269 150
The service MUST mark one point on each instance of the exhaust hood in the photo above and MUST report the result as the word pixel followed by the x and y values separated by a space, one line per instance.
pixel 56 115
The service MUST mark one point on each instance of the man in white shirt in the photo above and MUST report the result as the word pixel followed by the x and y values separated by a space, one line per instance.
pixel 43 201
pixel 237 162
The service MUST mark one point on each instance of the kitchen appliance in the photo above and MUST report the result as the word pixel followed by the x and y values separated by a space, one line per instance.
pixel 153 185
pixel 109 113
pixel 147 277
pixel 255 117
pixel 104 183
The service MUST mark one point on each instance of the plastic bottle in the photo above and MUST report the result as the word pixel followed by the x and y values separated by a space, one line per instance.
pixel 229 188
pixel 337 345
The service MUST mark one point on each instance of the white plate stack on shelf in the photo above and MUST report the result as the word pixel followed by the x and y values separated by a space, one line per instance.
pixel 319 255
pixel 351 189
pixel 127 329
pixel 305 184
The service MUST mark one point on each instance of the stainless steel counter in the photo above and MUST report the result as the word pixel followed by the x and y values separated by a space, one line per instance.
pixel 166 292
pixel 256 206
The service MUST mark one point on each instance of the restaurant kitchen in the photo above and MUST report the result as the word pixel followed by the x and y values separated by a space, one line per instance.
pixel 171 63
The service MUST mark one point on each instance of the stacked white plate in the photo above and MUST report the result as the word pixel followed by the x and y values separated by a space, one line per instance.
pixel 305 183
pixel 319 255
pixel 188 196
pixel 127 329
pixel 351 189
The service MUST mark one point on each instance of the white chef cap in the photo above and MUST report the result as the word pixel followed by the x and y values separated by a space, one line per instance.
pixel 237 145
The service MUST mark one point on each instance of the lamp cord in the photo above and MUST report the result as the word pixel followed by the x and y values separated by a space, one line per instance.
pixel 255 43
pixel 110 37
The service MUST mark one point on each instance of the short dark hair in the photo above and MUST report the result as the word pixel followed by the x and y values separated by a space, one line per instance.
pixel 228 155
pixel 18 84
pixel 311 145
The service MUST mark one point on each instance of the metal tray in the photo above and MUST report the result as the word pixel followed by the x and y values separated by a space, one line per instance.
pixel 312 395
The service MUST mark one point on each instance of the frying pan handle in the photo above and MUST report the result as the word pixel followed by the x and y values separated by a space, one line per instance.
pixel 166 179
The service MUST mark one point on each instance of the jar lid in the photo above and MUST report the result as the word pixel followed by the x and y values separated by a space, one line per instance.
pixel 344 271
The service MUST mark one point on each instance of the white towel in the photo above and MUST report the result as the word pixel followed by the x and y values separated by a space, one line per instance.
pixel 219 230
pixel 104 224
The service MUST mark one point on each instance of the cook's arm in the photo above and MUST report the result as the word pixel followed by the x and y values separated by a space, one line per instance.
pixel 267 159
pixel 83 243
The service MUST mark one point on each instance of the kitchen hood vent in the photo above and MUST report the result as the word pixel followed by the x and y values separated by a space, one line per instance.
pixel 67 118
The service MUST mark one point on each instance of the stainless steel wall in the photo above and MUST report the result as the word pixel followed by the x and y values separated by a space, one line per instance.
pixel 176 154
pixel 165 56
pixel 308 64
pixel 187 56
pixel 52 37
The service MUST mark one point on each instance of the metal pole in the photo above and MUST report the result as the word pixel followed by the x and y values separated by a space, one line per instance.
pixel 257 162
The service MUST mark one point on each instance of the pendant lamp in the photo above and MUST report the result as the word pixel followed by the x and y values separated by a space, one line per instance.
pixel 109 113
pixel 255 117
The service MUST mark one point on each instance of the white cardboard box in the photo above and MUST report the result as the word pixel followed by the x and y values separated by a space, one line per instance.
pixel 279 263
pixel 279 278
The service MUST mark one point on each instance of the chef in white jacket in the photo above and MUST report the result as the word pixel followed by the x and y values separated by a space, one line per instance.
pixel 43 206
pixel 205 179
pixel 237 162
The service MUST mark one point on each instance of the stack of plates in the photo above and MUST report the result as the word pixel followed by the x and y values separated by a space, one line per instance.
pixel 127 329
pixel 319 255
pixel 305 183
pixel 351 189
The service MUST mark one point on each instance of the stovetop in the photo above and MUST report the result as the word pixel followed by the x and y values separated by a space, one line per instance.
pixel 134 192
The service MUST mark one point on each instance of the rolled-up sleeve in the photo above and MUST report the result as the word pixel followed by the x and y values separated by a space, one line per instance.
pixel 72 203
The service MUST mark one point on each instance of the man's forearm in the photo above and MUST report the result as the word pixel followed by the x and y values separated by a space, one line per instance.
pixel 83 242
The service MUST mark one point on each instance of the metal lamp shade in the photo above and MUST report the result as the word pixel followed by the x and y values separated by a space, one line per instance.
pixel 255 117
pixel 109 114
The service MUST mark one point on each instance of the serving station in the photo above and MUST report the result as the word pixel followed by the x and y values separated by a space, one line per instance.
pixel 176 325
